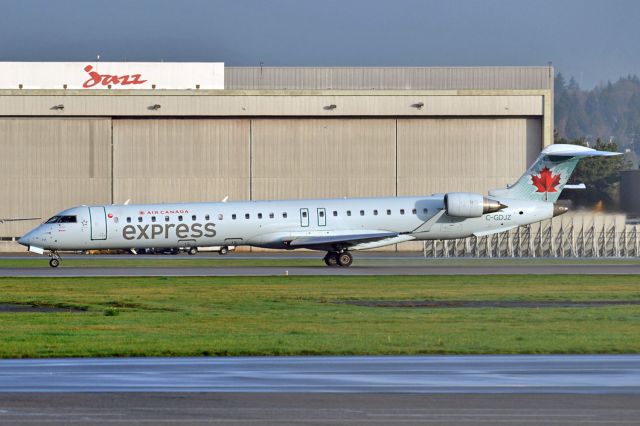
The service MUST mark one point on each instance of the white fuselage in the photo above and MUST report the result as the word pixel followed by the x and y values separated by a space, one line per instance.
pixel 272 224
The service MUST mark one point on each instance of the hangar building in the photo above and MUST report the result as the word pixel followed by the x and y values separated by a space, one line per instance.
pixel 272 133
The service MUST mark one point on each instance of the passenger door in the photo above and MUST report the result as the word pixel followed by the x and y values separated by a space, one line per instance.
pixel 98 218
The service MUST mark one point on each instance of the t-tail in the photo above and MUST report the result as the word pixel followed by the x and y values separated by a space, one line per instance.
pixel 547 177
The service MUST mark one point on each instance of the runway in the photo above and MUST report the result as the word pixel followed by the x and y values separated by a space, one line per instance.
pixel 590 374
pixel 317 409
pixel 220 271
pixel 447 390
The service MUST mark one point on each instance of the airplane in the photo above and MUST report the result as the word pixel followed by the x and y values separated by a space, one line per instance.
pixel 336 226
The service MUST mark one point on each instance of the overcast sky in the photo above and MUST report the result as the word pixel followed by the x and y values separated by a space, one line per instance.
pixel 594 41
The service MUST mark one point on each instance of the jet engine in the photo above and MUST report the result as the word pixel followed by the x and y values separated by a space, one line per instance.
pixel 466 204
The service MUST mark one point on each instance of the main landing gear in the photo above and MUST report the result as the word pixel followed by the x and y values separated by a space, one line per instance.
pixel 55 259
pixel 338 259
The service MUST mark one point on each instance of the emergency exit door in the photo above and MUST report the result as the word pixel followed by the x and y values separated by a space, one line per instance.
pixel 98 219
pixel 322 217
pixel 304 217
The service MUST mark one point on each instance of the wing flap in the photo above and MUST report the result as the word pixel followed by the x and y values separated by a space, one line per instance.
pixel 346 239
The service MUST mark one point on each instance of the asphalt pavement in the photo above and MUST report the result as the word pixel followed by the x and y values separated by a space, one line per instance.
pixel 567 390
pixel 219 271
pixel 587 374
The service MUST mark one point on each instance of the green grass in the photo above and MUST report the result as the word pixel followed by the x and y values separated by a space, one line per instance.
pixel 214 262
pixel 298 315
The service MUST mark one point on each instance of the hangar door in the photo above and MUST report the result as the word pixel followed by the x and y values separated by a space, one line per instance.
pixel 170 160
pixel 51 164
pixel 305 158
pixel 464 154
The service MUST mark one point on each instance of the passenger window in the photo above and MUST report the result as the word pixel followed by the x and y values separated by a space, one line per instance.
pixel 284 215
pixel 233 216
pixel 220 216
pixel 259 215
pixel 388 212
pixel 375 212
pixel 414 211
pixel 140 219
pixel 247 216
pixel 348 212
pixel 207 217
pixel 321 213
pixel 271 215
pixel 401 211
pixel 335 213
pixel 166 218
pixel 180 218
pixel 361 212
pixel 128 220
pixel 193 217
pixel 304 214
pixel 425 211
pixel 153 218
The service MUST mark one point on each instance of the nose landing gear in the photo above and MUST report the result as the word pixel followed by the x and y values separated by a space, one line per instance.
pixel 54 262
pixel 344 259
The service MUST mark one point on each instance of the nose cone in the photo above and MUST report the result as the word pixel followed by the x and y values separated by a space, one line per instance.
pixel 24 241
pixel 27 239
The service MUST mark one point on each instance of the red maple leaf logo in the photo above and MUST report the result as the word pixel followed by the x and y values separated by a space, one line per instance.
pixel 546 181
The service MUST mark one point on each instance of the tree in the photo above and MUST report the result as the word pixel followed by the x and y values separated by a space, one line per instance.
pixel 600 175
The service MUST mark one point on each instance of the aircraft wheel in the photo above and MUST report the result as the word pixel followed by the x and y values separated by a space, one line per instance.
pixel 331 259
pixel 345 259
pixel 193 251
pixel 223 251
pixel 54 263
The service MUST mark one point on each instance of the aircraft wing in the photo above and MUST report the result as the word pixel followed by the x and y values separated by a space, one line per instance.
pixel 17 219
pixel 344 240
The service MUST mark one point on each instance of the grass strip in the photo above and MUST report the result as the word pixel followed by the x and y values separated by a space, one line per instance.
pixel 304 315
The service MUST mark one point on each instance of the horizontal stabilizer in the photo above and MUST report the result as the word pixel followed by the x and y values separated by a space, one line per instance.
pixel 566 150
pixel 18 219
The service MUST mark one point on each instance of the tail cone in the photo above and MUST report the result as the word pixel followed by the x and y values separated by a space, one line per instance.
pixel 491 206
pixel 558 210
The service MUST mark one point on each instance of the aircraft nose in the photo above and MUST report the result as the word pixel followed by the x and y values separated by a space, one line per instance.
pixel 27 239
pixel 24 240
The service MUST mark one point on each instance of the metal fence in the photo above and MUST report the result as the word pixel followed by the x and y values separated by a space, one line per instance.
pixel 576 235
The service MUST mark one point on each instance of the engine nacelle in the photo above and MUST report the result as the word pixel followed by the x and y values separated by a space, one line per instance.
pixel 466 204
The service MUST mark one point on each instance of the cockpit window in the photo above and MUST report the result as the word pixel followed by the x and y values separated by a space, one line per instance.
pixel 63 219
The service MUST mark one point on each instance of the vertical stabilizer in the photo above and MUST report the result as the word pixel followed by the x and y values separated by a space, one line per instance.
pixel 548 175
